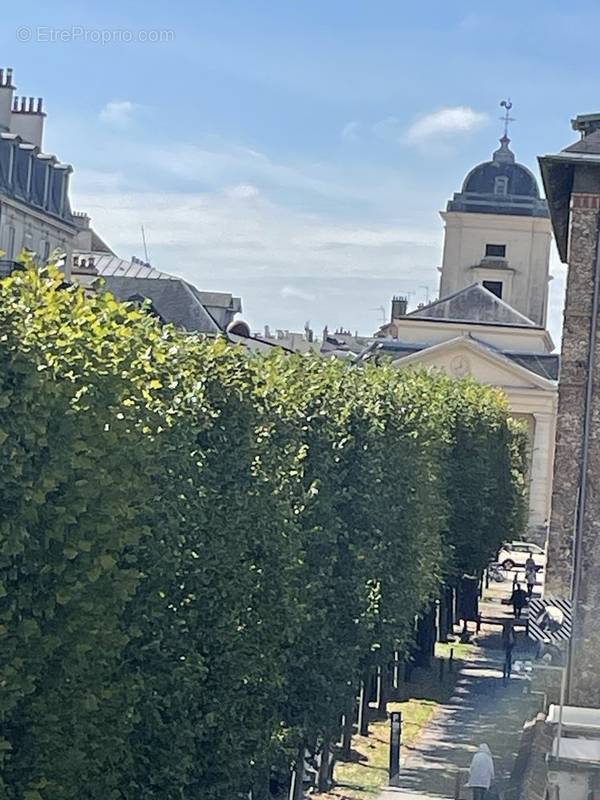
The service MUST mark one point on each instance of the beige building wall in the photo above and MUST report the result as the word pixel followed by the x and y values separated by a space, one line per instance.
pixel 23 227
pixel 523 272
pixel 527 339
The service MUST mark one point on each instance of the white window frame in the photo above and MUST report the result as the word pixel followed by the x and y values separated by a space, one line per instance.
pixel 501 185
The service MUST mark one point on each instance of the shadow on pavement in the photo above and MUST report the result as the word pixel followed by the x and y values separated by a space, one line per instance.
pixel 483 709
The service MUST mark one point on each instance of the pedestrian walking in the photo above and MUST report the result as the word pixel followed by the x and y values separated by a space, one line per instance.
pixel 481 773
pixel 508 643
pixel 518 600
pixel 530 575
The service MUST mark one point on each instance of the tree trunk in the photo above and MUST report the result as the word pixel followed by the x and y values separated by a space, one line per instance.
pixel 348 730
pixel 443 616
pixel 324 781
pixel 363 706
pixel 450 603
pixel 396 677
pixel 296 788
pixel 383 690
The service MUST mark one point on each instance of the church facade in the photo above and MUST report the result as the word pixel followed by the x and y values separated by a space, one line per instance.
pixel 490 320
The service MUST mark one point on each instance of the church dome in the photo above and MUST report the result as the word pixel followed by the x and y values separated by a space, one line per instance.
pixel 500 186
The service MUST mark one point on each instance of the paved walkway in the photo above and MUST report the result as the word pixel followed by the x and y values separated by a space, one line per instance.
pixel 483 709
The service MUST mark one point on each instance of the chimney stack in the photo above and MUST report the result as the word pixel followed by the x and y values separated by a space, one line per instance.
pixel 399 307
pixel 27 120
pixel 586 124
pixel 6 99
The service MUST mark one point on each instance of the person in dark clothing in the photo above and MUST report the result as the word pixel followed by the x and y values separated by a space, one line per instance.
pixel 518 600
pixel 508 644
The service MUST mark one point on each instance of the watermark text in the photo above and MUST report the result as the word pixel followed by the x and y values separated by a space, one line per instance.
pixel 79 33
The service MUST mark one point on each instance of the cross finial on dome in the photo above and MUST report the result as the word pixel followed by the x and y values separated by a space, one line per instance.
pixel 504 153
pixel 506 105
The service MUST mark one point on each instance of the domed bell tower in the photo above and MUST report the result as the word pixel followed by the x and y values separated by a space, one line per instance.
pixel 497 233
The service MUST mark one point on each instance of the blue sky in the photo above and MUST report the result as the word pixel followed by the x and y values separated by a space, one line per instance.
pixel 297 152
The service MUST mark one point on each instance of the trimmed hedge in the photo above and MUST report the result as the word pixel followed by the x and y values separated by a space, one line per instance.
pixel 201 552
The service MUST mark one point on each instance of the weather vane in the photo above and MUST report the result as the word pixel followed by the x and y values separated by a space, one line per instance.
pixel 507 105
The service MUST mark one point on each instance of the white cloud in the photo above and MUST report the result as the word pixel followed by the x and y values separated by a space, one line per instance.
pixel 351 132
pixel 243 191
pixel 292 291
pixel 445 121
pixel 201 233
pixel 117 112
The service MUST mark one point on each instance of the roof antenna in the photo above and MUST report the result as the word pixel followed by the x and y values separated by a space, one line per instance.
pixel 145 245
pixel 507 105
pixel 381 310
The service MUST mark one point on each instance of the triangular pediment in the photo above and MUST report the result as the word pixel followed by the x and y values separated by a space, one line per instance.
pixel 465 356
pixel 475 303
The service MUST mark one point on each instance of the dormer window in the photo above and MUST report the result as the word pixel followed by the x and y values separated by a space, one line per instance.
pixel 501 185
pixel 495 251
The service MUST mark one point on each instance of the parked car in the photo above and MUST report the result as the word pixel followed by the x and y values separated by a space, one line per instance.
pixel 515 554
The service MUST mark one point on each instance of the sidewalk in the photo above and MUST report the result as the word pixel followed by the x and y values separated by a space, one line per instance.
pixel 482 710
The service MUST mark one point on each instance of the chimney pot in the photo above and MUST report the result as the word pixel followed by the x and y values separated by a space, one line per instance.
pixel 75 261
pixel 1 77
pixel 9 73
pixel 40 104
pixel 30 107
pixel 91 261
pixel 23 103
pixel 15 103
pixel 399 307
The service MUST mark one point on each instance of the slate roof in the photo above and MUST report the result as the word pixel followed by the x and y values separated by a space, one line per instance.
pixel 476 304
pixel 546 365
pixel 35 178
pixel 479 194
pixel 108 265
pixel 174 300
pixel 558 173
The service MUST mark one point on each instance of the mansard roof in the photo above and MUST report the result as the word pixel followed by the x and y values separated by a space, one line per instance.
pixel 35 178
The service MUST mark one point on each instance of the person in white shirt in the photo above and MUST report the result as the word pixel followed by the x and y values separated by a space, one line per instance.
pixel 481 773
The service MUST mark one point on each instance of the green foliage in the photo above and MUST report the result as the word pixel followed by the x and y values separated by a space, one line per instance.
pixel 202 551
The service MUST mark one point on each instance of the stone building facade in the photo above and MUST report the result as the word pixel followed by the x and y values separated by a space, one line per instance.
pixel 498 234
pixel 572 182
pixel 35 213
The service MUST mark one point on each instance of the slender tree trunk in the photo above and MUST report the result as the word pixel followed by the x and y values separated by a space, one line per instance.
pixel 332 761
pixel 383 690
pixel 348 729
pixel 363 706
pixel 324 768
pixel 296 792
pixel 443 615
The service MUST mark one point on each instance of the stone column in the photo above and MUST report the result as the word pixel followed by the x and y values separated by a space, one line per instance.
pixel 540 481
pixel 584 216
